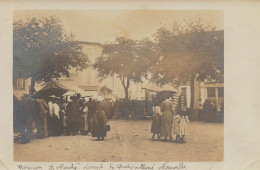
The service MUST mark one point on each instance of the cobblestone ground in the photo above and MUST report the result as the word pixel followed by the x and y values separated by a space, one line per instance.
pixel 128 141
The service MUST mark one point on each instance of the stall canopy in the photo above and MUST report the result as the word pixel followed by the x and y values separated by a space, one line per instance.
pixel 52 88
pixel 162 92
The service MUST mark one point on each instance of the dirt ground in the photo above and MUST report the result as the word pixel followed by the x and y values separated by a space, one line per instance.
pixel 127 141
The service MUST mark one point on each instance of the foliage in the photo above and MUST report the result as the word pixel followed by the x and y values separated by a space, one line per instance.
pixel 43 51
pixel 121 58
pixel 184 51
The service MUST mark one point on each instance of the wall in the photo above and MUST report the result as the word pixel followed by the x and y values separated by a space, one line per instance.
pixel 20 89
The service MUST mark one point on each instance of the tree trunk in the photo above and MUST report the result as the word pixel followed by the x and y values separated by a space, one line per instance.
pixel 32 90
pixel 125 85
pixel 126 93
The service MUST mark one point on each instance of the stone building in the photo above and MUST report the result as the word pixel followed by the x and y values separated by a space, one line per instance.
pixel 86 79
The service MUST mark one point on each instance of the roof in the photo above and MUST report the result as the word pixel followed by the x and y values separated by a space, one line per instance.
pixel 52 88
pixel 53 84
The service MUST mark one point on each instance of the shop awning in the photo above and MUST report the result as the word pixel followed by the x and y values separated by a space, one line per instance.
pixel 52 88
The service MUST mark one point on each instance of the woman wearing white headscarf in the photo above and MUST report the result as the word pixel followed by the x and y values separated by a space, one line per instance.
pixel 99 120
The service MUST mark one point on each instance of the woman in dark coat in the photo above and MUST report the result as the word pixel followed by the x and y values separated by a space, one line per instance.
pixel 73 116
pixel 98 121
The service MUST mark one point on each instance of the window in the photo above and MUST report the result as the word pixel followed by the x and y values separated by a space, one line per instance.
pixel 91 53
pixel 89 76
pixel 19 83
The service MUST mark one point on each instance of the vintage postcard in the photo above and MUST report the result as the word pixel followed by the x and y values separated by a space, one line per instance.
pixel 157 81
pixel 128 88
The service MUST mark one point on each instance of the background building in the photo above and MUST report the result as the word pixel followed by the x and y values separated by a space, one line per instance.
pixel 204 90
pixel 87 79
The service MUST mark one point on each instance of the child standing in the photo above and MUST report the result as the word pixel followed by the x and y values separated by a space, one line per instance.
pixel 183 125
pixel 176 127
pixel 156 124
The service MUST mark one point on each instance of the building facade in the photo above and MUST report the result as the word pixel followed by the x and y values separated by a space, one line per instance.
pixel 21 86
pixel 204 90
pixel 88 80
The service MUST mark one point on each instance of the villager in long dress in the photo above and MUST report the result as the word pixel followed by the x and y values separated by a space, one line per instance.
pixel 57 123
pixel 41 122
pixel 107 108
pixel 168 111
pixel 84 128
pixel 156 123
pixel 91 110
pixel 73 116
pixel 98 121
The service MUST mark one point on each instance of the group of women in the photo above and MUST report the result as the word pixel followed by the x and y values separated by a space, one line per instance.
pixel 166 122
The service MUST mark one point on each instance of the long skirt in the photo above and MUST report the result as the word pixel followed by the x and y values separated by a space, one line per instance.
pixel 45 126
pixel 156 124
pixel 73 126
pixel 183 129
pixel 55 126
pixel 166 126
pixel 41 124
pixel 98 124
pixel 176 128
pixel 84 122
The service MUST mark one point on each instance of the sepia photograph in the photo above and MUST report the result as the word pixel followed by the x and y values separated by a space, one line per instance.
pixel 118 85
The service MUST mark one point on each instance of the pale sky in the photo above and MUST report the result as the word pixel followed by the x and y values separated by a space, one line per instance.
pixel 105 25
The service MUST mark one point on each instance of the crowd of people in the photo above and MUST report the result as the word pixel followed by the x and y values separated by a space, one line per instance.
pixel 55 116
pixel 169 121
